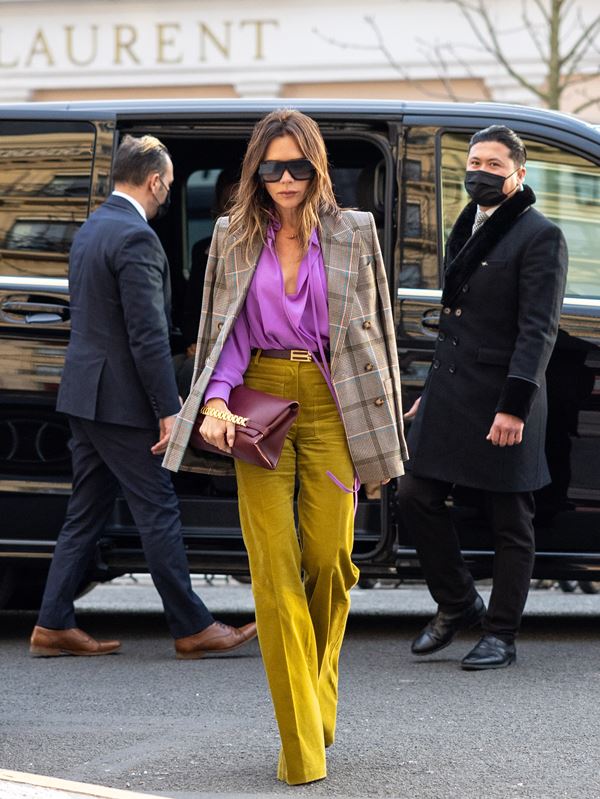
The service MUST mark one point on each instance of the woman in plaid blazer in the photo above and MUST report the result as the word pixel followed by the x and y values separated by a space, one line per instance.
pixel 289 271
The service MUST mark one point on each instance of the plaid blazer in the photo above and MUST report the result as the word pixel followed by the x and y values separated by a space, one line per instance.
pixel 363 353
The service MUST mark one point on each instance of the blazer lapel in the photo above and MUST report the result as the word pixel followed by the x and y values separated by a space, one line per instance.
pixel 239 272
pixel 339 243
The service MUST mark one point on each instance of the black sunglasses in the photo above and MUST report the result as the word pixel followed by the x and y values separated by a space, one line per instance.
pixel 299 169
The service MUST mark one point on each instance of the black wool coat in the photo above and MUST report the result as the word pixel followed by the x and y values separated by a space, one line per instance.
pixel 503 292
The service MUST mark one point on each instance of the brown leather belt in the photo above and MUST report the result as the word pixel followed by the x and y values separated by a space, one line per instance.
pixel 304 356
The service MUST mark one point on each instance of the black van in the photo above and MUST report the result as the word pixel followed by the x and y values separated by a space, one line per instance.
pixel 402 161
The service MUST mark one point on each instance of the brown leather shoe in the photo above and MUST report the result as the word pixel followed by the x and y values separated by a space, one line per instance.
pixel 47 643
pixel 216 638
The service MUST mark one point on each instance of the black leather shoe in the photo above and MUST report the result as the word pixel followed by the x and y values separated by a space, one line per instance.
pixel 490 653
pixel 443 627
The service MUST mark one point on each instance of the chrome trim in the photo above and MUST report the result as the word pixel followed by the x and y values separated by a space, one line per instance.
pixel 30 555
pixel 419 294
pixel 34 486
pixel 59 285
pixel 436 294
pixel 581 302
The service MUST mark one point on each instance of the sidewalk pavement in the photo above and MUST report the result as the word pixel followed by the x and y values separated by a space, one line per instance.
pixel 19 785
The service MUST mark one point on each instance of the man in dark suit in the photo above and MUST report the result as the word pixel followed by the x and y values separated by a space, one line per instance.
pixel 118 389
pixel 481 419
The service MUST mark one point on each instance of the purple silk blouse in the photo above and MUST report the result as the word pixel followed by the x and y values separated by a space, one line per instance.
pixel 272 319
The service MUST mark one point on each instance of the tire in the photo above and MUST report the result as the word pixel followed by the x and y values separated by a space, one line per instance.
pixel 367 583
pixel 568 586
pixel 23 589
pixel 8 583
pixel 589 587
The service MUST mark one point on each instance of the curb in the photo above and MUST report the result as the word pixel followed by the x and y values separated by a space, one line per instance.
pixel 72 790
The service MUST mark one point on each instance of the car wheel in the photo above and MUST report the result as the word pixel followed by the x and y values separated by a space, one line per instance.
pixel 568 586
pixel 589 587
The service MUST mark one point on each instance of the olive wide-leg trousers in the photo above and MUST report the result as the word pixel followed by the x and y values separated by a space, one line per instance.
pixel 301 574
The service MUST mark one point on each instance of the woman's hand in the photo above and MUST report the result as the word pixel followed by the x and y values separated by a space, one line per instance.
pixel 217 432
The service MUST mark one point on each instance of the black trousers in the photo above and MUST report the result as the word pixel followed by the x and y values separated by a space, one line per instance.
pixel 423 509
pixel 106 457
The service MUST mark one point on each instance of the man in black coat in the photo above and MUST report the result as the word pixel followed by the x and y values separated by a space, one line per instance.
pixel 481 419
pixel 118 389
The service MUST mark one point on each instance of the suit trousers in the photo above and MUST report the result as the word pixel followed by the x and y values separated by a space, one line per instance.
pixel 423 509
pixel 106 457
pixel 301 574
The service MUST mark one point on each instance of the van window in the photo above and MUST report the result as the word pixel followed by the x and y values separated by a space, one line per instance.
pixel 45 172
pixel 567 188
pixel 418 256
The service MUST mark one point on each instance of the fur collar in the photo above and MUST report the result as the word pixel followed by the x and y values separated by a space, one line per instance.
pixel 464 251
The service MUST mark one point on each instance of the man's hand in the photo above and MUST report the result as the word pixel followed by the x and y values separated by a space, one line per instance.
pixel 165 428
pixel 506 430
pixel 412 411
pixel 215 431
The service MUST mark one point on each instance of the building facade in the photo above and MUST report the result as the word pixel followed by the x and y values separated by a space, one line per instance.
pixel 405 49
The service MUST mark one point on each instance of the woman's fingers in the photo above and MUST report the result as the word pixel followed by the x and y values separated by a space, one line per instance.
pixel 218 433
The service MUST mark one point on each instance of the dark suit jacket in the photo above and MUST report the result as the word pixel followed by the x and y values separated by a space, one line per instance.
pixel 502 299
pixel 118 366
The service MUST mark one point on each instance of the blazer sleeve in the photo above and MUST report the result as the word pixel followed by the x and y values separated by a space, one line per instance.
pixel 140 268
pixel 214 273
pixel 542 279
pixel 386 316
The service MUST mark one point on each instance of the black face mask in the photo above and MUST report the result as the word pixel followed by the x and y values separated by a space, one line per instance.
pixel 485 188
pixel 164 206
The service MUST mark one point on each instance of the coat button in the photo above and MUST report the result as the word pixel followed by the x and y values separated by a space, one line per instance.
pixel 465 288
pixel 379 401
pixel 220 326
pixel 447 310
pixel 455 341
pixel 452 369
pixel 441 336
pixel 368 367
pixel 367 325
pixel 458 311
pixel 435 363
pixel 484 263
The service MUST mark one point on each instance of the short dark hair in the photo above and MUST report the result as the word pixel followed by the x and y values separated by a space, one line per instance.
pixel 139 157
pixel 506 136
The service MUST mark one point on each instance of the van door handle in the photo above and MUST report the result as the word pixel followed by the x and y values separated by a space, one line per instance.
pixel 35 312
pixel 431 319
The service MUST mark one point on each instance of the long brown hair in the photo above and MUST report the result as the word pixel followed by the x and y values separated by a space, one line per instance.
pixel 253 207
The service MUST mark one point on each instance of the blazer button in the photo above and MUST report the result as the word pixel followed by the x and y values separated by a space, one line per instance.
pixel 458 311
pixel 435 363
pixel 447 310
pixel 484 263
pixel 368 367
pixel 452 369
pixel 379 401
pixel 441 336
pixel 465 288
pixel 366 325
pixel 455 341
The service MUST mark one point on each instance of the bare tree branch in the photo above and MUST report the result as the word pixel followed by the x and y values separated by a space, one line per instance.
pixel 586 34
pixel 492 45
pixel 587 104
pixel 561 21
pixel 532 30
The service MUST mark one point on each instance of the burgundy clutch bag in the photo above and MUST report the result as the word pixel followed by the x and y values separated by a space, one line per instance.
pixel 266 421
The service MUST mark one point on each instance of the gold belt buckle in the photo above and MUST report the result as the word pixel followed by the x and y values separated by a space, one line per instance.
pixel 301 355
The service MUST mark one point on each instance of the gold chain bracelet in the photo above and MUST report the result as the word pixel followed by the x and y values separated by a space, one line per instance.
pixel 225 416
